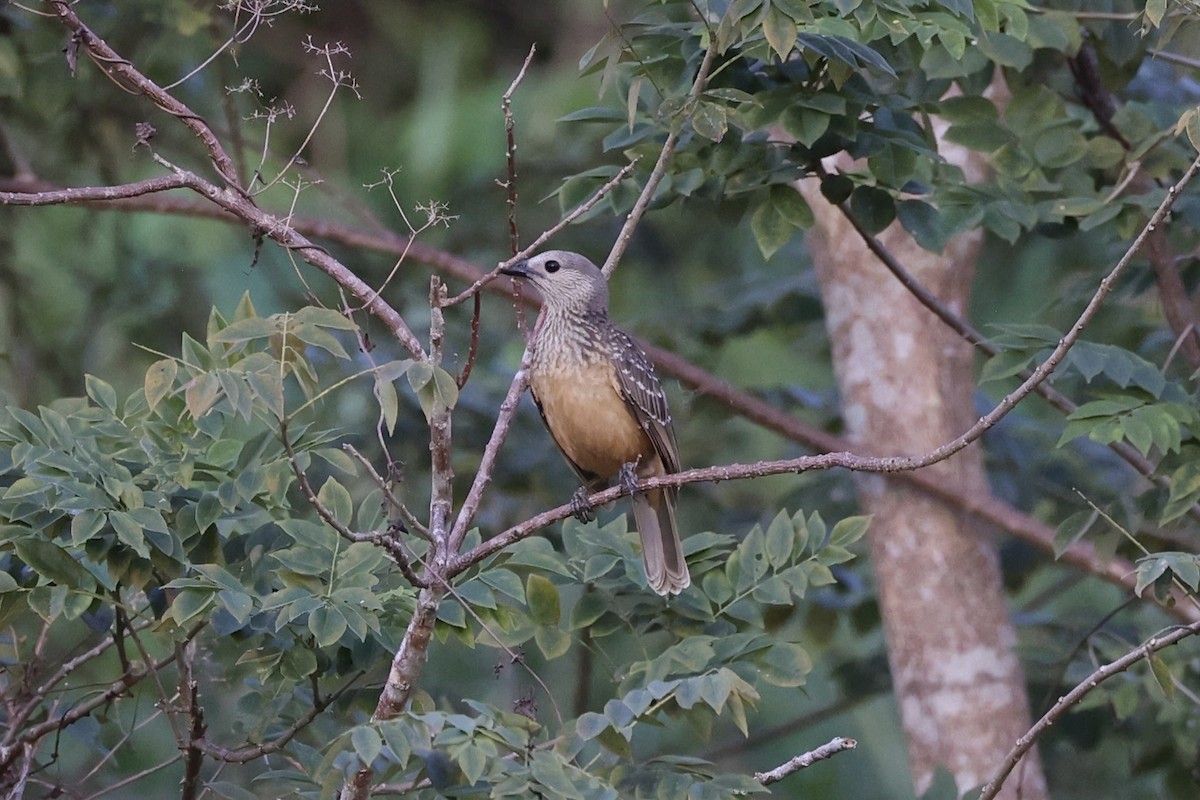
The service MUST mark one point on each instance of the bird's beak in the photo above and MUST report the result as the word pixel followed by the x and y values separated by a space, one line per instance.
pixel 518 270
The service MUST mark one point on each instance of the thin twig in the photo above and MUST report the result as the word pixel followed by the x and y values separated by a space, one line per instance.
pixel 250 752
pixel 660 167
pixel 487 464
pixel 410 520
pixel 804 760
pixel 386 539
pixel 511 153
pixel 1026 742
pixel 574 214
pixel 126 75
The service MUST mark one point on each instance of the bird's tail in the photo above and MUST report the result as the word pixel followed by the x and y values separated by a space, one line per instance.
pixel 662 552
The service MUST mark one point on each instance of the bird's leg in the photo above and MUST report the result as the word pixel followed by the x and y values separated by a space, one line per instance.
pixel 580 506
pixel 628 477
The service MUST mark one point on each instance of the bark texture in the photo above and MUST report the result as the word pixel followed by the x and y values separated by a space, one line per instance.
pixel 907 383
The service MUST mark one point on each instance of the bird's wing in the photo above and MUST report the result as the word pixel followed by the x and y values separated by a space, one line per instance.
pixel 644 394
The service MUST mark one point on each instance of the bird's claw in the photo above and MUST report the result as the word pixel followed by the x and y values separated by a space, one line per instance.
pixel 628 478
pixel 580 506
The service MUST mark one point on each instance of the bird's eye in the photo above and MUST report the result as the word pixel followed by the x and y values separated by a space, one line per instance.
pixel 552 266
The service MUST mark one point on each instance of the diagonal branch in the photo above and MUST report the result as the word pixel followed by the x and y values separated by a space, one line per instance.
pixel 126 75
pixel 1151 237
pixel 1072 698
pixel 250 752
pixel 660 166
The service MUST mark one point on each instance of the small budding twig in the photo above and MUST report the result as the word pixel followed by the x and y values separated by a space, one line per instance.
pixel 804 760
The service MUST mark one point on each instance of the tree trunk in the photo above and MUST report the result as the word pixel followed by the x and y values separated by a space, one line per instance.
pixel 906 382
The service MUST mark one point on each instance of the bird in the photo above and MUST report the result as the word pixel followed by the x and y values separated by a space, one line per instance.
pixel 603 404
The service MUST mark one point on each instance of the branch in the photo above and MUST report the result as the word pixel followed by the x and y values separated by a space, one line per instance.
pixel 241 755
pixel 82 709
pixel 660 167
pixel 1026 742
pixel 1060 401
pixel 849 460
pixel 124 74
pixel 487 464
pixel 386 540
pixel 51 196
pixel 828 750
pixel 233 197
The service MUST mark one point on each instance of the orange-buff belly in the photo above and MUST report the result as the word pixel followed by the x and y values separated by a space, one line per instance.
pixel 589 419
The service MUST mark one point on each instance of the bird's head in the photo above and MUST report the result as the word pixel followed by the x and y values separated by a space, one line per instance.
pixel 568 282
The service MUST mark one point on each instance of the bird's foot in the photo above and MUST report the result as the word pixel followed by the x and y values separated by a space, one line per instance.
pixel 628 478
pixel 580 506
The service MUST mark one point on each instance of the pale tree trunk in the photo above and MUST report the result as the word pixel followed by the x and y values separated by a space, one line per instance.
pixel 906 382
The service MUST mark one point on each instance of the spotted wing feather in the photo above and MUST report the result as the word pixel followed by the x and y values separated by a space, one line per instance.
pixel 640 385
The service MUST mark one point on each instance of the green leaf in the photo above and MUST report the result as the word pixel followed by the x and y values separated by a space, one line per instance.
pixel 104 394
pixel 785 664
pixel 54 564
pixel 925 223
pixel 711 121
pixel 590 725
pixel 543 600
pixel 325 318
pixel 247 330
pixel 849 530
pixel 553 642
pixel 1155 11
pixel 782 212
pixel 1185 491
pixel 781 32
pixel 1149 570
pixel 160 378
pixel 1072 529
pixel 873 208
pixel 367 743
pixel 267 386
pixel 1162 675
pixel 804 123
pixel 335 498
pixel 190 603
pixel 201 393
pixel 779 540
pixel 327 625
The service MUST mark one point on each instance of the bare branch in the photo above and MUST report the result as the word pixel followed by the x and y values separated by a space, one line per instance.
pixel 804 760
pixel 660 167
pixel 849 460
pixel 241 755
pixel 410 520
pixel 487 464
pixel 1082 554
pixel 511 152
pixel 1026 742
pixel 52 196
pixel 127 76
pixel 976 338
pixel 386 540
pixel 189 698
